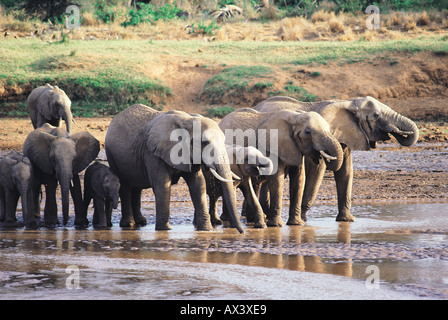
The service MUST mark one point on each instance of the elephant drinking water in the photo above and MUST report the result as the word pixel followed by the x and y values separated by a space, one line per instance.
pixel 151 149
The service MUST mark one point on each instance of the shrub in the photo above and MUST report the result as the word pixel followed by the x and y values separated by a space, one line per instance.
pixel 149 13
pixel 219 112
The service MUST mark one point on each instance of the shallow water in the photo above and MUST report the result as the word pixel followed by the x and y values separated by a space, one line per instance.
pixel 405 243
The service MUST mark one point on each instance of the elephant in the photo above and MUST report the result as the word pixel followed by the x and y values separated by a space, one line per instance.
pixel 101 184
pixel 16 176
pixel 49 104
pixel 285 137
pixel 358 124
pixel 250 165
pixel 56 157
pixel 152 149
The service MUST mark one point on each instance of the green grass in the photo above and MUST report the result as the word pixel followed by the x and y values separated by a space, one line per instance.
pixel 233 81
pixel 102 77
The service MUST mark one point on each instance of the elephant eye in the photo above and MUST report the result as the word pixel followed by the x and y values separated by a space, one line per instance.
pixel 307 131
pixel 376 116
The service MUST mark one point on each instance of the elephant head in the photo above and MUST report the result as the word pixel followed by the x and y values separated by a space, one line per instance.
pixel 249 161
pixel 110 186
pixel 361 122
pixel 50 104
pixel 61 156
pixel 190 142
pixel 303 134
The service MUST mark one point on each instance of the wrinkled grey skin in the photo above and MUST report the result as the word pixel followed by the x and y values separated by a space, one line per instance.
pixel 15 181
pixel 250 165
pixel 357 124
pixel 58 157
pixel 49 104
pixel 299 134
pixel 138 148
pixel 103 186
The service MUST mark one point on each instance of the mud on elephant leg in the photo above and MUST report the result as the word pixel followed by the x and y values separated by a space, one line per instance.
pixel 275 186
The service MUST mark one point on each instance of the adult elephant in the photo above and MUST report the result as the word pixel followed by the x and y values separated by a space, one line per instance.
pixel 56 157
pixel 358 124
pixel 144 151
pixel 49 104
pixel 285 137
pixel 249 164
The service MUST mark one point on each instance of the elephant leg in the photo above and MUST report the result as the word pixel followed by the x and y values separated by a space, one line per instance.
pixel 34 205
pixel 136 200
pixel 51 208
pixel 344 181
pixel 213 199
pixel 12 199
pixel 253 205
pixel 127 219
pixel 264 197
pixel 80 210
pixel 275 186
pixel 314 175
pixel 108 211
pixel 2 204
pixel 197 188
pixel 296 186
pixel 99 215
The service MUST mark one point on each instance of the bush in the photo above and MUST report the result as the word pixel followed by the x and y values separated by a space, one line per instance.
pixel 219 112
pixel 149 13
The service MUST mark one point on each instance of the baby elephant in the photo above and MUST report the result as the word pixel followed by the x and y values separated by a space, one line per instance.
pixel 101 184
pixel 16 176
pixel 251 166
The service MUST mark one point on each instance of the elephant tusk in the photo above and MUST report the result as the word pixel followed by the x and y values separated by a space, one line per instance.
pixel 217 176
pixel 71 183
pixel 327 156
pixel 235 176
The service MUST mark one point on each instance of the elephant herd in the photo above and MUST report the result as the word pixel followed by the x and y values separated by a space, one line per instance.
pixel 253 149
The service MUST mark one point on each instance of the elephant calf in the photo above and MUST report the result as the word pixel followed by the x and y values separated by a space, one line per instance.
pixel 101 184
pixel 249 164
pixel 16 176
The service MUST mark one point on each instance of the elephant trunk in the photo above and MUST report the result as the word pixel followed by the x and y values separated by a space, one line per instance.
pixel 65 195
pixel 229 195
pixel 403 129
pixel 68 118
pixel 330 150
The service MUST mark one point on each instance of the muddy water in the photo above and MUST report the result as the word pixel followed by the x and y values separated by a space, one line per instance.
pixel 407 245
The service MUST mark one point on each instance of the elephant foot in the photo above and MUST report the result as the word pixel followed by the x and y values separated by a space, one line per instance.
pixel 31 225
pixel 100 227
pixel 140 221
pixel 295 221
pixel 81 223
pixel 11 224
pixel 275 222
pixel 208 227
pixel 163 226
pixel 217 222
pixel 260 225
pixel 347 217
pixel 126 223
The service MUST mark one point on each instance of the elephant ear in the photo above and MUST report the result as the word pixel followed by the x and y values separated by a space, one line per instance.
pixel 167 127
pixel 87 149
pixel 37 148
pixel 286 149
pixel 345 127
